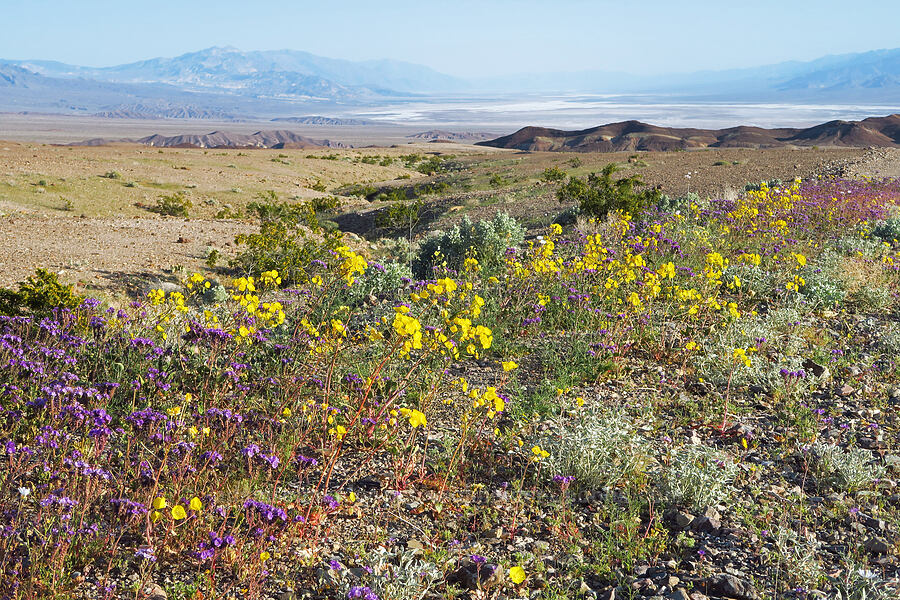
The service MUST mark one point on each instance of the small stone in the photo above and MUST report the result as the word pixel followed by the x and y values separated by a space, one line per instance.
pixel 644 587
pixel 679 594
pixel 287 595
pixel 681 520
pixel 415 545
pixel 608 594
pixel 876 545
pixel 730 586
pixel 154 591
pixel 876 524
pixel 706 525
pixel 846 390
pixel 473 576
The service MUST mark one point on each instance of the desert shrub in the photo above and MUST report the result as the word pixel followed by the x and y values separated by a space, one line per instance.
pixel 400 574
pixel 854 245
pixel 216 293
pixel 797 555
pixel 175 205
pixel 382 280
pixel 599 450
pixel 112 175
pixel 668 204
pixel 433 165
pixel 755 187
pixel 824 286
pixel 859 583
pixel 553 174
pixel 599 194
pixel 871 297
pixel 568 216
pixel 889 340
pixel 776 337
pixel 486 241
pixel 289 238
pixel 887 230
pixel 755 281
pixel 697 477
pixel 38 294
pixel 849 469
pixel 325 204
pixel 848 276
pixel 391 195
pixel 363 190
pixel 402 215
pixel 436 187
pixel 498 180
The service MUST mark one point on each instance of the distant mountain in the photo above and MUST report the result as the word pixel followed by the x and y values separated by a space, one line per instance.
pixel 24 90
pixel 221 139
pixel 318 120
pixel 860 77
pixel 633 135
pixel 165 111
pixel 453 136
pixel 268 73
pixel 226 83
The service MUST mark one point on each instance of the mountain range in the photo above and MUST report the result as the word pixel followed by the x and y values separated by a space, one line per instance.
pixel 220 139
pixel 227 83
pixel 633 135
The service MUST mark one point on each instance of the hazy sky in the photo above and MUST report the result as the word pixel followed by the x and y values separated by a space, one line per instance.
pixel 459 37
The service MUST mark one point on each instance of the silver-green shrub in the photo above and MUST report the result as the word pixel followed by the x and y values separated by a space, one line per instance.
pixel 754 279
pixel 697 477
pixel 599 450
pixel 399 574
pixel 887 230
pixel 385 279
pixel 486 241
pixel 849 469
pixel 774 331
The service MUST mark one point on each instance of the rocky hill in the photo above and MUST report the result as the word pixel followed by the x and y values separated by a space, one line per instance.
pixel 635 135
pixel 319 120
pixel 278 138
pixel 165 111
pixel 452 136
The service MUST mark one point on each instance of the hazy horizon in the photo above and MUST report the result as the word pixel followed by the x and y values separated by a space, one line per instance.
pixel 470 40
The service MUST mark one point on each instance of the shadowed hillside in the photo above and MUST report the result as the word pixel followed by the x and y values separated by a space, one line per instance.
pixel 635 135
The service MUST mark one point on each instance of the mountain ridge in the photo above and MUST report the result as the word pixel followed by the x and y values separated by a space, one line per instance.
pixel 638 136
pixel 276 138
pixel 274 83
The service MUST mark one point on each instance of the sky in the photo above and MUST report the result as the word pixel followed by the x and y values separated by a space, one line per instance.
pixel 466 38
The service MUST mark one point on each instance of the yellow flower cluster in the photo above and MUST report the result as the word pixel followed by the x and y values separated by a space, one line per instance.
pixel 352 264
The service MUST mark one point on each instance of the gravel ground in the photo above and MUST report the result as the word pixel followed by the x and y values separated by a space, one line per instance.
pixel 108 255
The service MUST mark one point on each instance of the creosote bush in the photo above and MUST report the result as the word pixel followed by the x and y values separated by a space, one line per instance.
pixel 173 205
pixel 39 294
pixel 290 237
pixel 599 194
